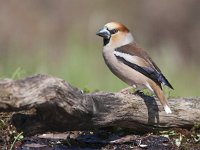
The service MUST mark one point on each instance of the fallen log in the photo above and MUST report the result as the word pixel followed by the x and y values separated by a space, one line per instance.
pixel 60 107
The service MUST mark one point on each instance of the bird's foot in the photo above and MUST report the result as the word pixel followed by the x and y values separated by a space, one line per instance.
pixel 126 90
pixel 138 92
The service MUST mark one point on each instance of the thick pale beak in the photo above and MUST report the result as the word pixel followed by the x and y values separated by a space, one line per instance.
pixel 104 33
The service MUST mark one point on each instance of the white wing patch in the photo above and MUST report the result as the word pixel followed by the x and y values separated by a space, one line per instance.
pixel 127 57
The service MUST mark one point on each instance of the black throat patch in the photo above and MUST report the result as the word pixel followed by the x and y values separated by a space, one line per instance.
pixel 106 41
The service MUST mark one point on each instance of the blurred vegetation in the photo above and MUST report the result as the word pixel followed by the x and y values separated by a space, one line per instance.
pixel 58 38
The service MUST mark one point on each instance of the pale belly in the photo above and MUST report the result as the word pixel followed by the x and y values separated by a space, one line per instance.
pixel 124 72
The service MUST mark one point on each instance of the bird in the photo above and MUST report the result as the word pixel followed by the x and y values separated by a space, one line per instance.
pixel 130 63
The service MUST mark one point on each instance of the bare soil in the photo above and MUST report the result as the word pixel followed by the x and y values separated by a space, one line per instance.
pixel 103 139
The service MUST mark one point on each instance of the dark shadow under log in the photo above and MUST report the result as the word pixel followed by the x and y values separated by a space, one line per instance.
pixel 60 107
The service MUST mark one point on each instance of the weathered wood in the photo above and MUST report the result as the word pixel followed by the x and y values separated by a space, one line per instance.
pixel 60 106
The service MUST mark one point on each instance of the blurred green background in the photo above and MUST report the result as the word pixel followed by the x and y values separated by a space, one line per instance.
pixel 58 38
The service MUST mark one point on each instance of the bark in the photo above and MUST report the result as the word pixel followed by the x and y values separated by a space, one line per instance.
pixel 60 107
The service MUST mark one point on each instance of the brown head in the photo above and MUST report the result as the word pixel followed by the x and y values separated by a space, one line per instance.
pixel 115 34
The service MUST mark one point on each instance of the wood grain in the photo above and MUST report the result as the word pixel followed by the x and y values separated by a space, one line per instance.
pixel 60 107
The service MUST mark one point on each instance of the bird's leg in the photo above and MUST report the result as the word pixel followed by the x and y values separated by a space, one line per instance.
pixel 126 90
pixel 143 91
pixel 138 92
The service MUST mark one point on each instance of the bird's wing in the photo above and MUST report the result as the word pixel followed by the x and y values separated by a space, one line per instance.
pixel 137 59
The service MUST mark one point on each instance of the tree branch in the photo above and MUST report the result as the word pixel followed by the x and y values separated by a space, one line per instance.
pixel 60 107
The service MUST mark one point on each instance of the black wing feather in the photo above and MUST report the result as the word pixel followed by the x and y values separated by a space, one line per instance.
pixel 152 71
pixel 154 75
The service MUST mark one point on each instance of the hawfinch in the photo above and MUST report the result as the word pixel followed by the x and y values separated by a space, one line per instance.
pixel 131 63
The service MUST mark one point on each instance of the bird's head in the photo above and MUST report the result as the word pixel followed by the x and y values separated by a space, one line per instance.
pixel 115 34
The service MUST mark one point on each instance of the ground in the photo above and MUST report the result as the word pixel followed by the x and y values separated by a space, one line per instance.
pixel 103 139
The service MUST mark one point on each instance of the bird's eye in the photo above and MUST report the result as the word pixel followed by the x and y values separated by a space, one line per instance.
pixel 113 31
